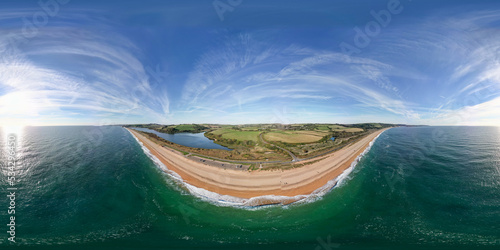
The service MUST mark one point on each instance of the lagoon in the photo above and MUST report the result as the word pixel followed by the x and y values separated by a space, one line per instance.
pixel 193 140
pixel 107 194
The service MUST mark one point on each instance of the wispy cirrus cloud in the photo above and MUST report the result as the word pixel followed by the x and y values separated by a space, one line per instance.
pixel 246 74
pixel 484 113
pixel 470 67
pixel 75 75
pixel 87 66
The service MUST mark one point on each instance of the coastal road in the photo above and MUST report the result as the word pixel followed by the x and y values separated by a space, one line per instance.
pixel 229 161
pixel 245 184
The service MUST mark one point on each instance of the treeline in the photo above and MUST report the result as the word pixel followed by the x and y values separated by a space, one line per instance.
pixel 342 134
pixel 367 126
pixel 172 129
pixel 228 142
pixel 192 128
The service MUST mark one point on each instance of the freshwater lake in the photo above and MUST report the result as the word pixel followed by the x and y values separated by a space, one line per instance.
pixel 193 140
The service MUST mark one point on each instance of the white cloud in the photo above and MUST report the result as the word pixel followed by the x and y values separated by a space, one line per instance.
pixel 486 113
pixel 63 72
pixel 250 75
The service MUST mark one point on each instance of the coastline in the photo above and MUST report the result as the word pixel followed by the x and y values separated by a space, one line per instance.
pixel 260 187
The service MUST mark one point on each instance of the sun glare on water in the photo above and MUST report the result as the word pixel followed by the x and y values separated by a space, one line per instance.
pixel 15 131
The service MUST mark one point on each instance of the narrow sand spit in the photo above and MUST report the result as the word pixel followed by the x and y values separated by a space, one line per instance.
pixel 242 184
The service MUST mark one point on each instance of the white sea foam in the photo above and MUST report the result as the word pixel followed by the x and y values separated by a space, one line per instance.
pixel 227 200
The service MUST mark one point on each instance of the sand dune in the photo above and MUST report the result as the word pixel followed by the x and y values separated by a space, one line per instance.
pixel 298 181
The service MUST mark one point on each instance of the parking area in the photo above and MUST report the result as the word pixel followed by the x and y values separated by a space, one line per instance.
pixel 218 164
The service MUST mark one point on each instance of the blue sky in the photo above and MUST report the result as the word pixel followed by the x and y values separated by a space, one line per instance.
pixel 241 61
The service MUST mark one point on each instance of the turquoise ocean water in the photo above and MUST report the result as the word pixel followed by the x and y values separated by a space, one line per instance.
pixel 95 188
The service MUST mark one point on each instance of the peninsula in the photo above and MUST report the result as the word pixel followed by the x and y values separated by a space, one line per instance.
pixel 300 177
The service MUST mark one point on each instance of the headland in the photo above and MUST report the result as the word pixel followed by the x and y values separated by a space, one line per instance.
pixel 294 183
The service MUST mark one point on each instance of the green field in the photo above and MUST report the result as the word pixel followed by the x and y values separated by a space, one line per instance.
pixel 221 131
pixel 302 140
pixel 229 133
pixel 307 133
pixel 339 128
pixel 250 128
pixel 295 136
pixel 351 130
pixel 185 127
pixel 336 127
pixel 323 128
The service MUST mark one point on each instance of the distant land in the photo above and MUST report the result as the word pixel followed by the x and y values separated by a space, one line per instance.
pixel 265 146
pixel 260 164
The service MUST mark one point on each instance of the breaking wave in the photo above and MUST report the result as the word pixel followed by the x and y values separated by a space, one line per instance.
pixel 260 201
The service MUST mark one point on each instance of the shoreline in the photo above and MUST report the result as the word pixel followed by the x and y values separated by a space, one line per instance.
pixel 261 187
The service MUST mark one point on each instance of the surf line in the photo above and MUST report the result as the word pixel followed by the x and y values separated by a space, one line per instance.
pixel 257 201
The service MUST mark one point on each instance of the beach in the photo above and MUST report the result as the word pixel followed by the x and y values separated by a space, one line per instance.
pixel 243 184
pixel 407 177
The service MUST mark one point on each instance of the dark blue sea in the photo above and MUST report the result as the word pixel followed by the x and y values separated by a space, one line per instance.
pixel 95 188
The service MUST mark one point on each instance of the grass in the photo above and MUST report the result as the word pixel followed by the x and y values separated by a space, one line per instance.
pixel 247 146
pixel 352 130
pixel 336 127
pixel 221 131
pixel 323 128
pixel 250 128
pixel 228 133
pixel 303 140
pixel 294 136
pixel 242 153
pixel 185 127
pixel 242 135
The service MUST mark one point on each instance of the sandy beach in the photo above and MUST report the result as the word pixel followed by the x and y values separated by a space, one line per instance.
pixel 298 181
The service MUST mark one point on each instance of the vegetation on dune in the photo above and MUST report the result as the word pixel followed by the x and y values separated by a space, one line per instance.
pixel 367 126
pixel 302 140
pixel 172 129
pixel 240 153
pixel 234 138
pixel 269 142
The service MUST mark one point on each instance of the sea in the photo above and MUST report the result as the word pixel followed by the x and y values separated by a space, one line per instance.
pixel 95 187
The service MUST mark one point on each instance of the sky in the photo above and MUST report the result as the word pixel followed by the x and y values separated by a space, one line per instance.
pixel 69 62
